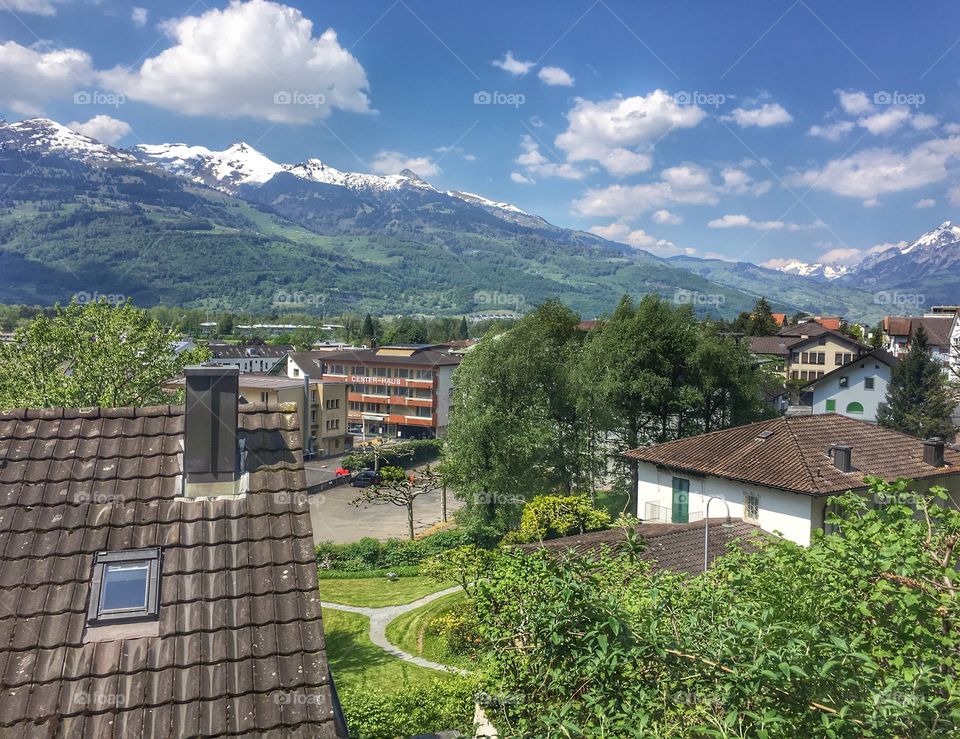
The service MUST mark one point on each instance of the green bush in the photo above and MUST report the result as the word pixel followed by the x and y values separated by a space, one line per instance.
pixel 550 516
pixel 410 709
pixel 369 554
pixel 350 574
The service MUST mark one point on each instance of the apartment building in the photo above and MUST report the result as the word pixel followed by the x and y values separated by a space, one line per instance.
pixel 247 358
pixel 400 392
pixel 942 326
pixel 807 351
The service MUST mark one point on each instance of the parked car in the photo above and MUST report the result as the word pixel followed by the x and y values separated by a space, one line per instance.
pixel 342 472
pixel 366 478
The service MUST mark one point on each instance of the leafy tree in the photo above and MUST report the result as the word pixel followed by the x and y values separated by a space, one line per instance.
pixel 919 401
pixel 95 354
pixel 225 325
pixel 464 565
pixel 369 332
pixel 400 488
pixel 855 635
pixel 876 337
pixel 762 322
pixel 463 331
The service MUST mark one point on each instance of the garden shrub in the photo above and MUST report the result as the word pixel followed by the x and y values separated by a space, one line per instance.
pixel 410 709
pixel 369 554
pixel 550 516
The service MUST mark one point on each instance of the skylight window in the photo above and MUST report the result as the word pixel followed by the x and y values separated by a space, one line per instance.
pixel 125 586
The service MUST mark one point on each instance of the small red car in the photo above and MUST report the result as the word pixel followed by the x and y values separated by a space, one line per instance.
pixel 341 471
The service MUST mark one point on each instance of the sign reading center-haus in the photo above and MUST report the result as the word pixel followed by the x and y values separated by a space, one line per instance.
pixel 364 380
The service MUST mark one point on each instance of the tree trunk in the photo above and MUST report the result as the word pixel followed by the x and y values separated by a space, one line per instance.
pixel 443 504
pixel 410 519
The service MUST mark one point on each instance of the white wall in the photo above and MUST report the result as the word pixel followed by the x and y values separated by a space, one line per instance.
pixel 828 388
pixel 444 385
pixel 792 515
pixel 780 511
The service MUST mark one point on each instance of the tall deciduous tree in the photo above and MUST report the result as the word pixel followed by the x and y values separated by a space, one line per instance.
pixel 96 354
pixel 919 401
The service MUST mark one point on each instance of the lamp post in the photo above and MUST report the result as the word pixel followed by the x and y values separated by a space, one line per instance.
pixel 706 526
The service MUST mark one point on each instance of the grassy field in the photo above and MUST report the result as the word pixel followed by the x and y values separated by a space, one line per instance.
pixel 375 592
pixel 410 632
pixel 356 662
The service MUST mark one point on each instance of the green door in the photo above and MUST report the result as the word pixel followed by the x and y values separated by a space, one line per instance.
pixel 681 500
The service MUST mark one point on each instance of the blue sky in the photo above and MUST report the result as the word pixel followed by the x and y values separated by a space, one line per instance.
pixel 759 130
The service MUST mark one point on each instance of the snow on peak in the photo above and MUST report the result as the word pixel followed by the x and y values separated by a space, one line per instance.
pixel 41 135
pixel 815 269
pixel 316 171
pixel 238 164
pixel 475 199
pixel 943 235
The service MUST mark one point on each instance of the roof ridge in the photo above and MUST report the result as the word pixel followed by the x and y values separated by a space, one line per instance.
pixel 814 483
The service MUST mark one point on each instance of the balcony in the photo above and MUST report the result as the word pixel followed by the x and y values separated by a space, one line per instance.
pixel 655 513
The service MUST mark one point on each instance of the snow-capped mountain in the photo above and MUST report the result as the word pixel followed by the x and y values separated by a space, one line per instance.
pixel 227 170
pixel 815 270
pixel 38 136
pixel 316 171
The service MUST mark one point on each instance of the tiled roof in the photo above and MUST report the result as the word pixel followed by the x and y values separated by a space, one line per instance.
pixel 774 345
pixel 808 328
pixel 674 547
pixel 239 645
pixel 794 456
pixel 937 327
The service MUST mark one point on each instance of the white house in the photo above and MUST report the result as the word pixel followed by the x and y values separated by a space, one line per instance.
pixel 780 474
pixel 854 389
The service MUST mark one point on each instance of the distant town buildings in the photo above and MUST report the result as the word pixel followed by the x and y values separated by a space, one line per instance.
pixel 247 357
pixel 807 351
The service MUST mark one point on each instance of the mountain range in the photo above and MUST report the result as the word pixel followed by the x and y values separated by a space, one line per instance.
pixel 178 224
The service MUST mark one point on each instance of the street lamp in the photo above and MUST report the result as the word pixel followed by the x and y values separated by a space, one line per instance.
pixel 728 524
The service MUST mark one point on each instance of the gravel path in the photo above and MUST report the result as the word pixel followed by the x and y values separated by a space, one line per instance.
pixel 381 617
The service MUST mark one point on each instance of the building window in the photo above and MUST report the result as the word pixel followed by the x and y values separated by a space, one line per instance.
pixel 838 359
pixel 831 406
pixel 680 510
pixel 296 372
pixel 125 586
pixel 868 383
pixel 822 341
pixel 263 397
pixel 844 381
pixel 751 507
pixel 854 407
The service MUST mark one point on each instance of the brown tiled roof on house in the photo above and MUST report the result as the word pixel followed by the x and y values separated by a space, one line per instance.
pixel 794 455
pixel 673 547
pixel 937 327
pixel 778 346
pixel 807 328
pixel 427 357
pixel 238 648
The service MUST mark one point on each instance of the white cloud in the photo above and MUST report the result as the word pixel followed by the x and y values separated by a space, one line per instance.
pixel 511 65
pixel 741 221
pixel 718 255
pixel 954 194
pixel 256 59
pixel 639 239
pixel 848 256
pixel 921 121
pixel 952 128
pixel 686 184
pixel 871 203
pixel 102 128
pixel 33 75
pixel 555 76
pixel 139 16
pixel 391 162
pixel 666 217
pixel 831 131
pixel 768 114
pixel 521 179
pixel 873 172
pixel 925 203
pixel 886 121
pixel 855 102
pixel 535 162
pixel 609 131
pixel 34 7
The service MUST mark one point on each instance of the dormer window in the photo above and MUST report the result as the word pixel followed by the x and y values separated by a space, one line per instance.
pixel 125 587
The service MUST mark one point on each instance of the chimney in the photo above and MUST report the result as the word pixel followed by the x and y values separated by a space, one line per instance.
pixel 842 458
pixel 211 454
pixel 933 452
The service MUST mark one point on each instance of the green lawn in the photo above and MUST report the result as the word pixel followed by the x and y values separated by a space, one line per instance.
pixel 356 662
pixel 375 592
pixel 409 632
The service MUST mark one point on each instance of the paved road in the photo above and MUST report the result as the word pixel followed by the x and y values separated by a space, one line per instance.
pixel 334 519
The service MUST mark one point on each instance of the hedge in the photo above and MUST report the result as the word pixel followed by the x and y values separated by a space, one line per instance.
pixel 368 554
